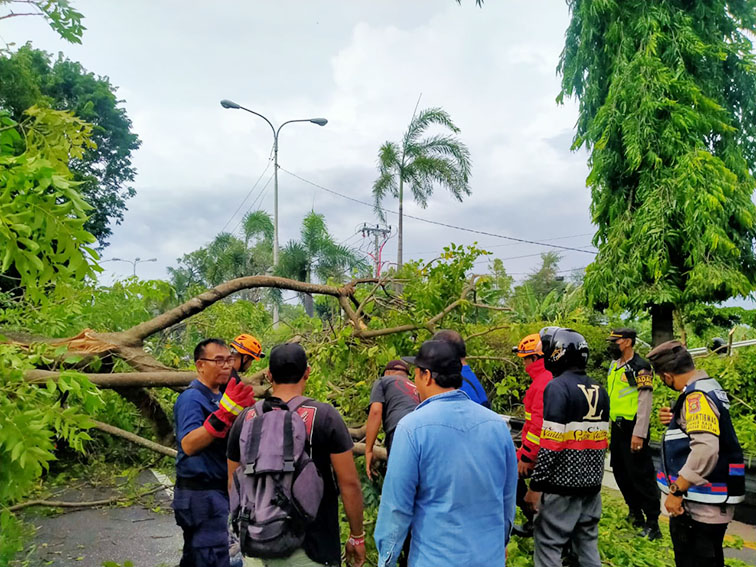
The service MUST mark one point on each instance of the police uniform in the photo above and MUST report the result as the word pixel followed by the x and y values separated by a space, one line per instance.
pixel 200 501
pixel 700 445
pixel 630 387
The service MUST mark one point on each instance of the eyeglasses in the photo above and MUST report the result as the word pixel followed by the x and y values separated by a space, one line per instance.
pixel 220 361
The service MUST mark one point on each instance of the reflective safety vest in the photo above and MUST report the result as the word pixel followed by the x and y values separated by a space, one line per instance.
pixel 623 383
pixel 726 483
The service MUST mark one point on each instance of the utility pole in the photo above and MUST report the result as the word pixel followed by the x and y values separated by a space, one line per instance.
pixel 380 236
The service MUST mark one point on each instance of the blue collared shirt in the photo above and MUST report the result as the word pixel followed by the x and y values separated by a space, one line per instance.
pixel 451 480
pixel 190 411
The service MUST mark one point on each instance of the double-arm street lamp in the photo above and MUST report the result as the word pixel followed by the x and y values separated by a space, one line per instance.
pixel 133 262
pixel 225 103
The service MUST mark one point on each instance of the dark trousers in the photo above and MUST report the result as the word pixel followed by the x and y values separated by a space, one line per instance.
pixel 634 472
pixel 696 543
pixel 522 490
pixel 203 517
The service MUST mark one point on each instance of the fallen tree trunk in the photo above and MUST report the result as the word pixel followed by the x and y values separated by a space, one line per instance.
pixel 103 502
pixel 163 378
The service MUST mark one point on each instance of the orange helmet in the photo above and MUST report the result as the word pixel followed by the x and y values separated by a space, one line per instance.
pixel 247 344
pixel 529 346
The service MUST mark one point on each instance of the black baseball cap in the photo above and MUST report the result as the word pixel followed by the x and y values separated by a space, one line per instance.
pixel 622 333
pixel 287 361
pixel 437 356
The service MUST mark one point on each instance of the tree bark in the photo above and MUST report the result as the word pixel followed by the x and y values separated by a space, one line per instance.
pixel 136 439
pixel 662 323
pixel 150 409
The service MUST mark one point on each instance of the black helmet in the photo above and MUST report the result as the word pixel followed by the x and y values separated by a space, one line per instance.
pixel 567 349
pixel 546 333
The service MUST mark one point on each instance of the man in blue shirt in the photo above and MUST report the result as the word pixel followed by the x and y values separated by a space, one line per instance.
pixel 204 413
pixel 470 383
pixel 452 475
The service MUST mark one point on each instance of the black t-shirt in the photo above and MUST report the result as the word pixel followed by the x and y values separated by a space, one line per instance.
pixel 399 397
pixel 328 435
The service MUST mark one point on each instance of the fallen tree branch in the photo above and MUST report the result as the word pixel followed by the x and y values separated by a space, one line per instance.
pixel 136 439
pixel 492 307
pixel 501 358
pixel 157 379
pixel 379 453
pixel 491 330
pixel 103 502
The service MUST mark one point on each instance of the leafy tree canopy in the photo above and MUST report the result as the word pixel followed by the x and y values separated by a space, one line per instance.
pixel 31 77
pixel 60 14
pixel 42 215
pixel 667 94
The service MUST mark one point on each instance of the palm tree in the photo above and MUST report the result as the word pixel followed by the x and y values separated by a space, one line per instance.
pixel 422 162
pixel 316 254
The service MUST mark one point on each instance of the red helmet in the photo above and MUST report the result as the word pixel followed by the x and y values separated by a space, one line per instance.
pixel 247 344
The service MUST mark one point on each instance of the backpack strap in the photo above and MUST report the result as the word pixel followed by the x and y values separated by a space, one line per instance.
pixel 253 446
pixel 288 443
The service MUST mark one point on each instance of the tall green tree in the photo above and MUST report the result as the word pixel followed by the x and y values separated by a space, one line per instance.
pixel 667 93
pixel 316 255
pixel 31 77
pixel 421 162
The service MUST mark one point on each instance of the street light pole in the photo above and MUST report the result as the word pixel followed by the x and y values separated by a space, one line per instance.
pixel 225 103
pixel 133 262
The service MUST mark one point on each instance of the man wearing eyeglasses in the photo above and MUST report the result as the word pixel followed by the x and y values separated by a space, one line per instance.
pixel 204 413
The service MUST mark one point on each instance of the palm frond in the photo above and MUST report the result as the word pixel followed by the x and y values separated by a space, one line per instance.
pixel 425 119
pixel 258 224
pixel 385 184
pixel 293 261
pixel 444 146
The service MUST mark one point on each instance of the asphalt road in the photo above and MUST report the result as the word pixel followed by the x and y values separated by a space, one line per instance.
pixel 88 537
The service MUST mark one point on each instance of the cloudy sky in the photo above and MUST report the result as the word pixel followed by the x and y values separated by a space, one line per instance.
pixel 360 64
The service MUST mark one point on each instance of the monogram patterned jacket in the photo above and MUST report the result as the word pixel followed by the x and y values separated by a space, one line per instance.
pixel 574 436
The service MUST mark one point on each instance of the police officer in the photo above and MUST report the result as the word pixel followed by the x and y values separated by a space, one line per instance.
pixel 703 472
pixel 204 413
pixel 245 349
pixel 630 385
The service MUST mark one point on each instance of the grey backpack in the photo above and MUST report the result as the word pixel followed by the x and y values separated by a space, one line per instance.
pixel 277 487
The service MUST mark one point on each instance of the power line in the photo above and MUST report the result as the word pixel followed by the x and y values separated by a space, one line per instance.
pixel 252 205
pixel 248 194
pixel 438 223
pixel 487 246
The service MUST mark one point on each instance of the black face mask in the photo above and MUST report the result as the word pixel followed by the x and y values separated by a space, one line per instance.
pixel 614 350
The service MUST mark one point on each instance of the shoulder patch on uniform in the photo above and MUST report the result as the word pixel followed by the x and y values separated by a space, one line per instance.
pixel 699 415
pixel 644 379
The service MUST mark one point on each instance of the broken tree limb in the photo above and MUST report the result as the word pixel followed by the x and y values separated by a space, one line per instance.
pixel 158 379
pixel 204 300
pixel 136 439
pixel 379 453
pixel 103 502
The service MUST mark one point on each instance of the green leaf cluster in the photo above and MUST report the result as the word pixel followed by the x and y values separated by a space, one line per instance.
pixel 42 215
pixel 667 93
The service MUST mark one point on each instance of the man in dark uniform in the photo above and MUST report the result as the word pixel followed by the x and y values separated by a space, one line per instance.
pixel 630 386
pixel 703 471
pixel 204 413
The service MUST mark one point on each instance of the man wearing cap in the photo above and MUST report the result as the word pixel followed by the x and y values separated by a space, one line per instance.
pixel 703 471
pixel 246 349
pixel 630 386
pixel 529 350
pixel 331 451
pixel 393 396
pixel 452 475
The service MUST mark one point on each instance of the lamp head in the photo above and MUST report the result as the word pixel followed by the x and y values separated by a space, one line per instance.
pixel 225 103
pixel 319 121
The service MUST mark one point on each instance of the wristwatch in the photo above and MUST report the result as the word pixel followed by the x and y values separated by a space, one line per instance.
pixel 675 490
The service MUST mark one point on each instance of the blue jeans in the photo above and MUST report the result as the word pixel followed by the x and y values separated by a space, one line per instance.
pixel 203 517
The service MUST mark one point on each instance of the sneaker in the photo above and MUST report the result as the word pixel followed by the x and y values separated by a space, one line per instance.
pixel 652 531
pixel 524 530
